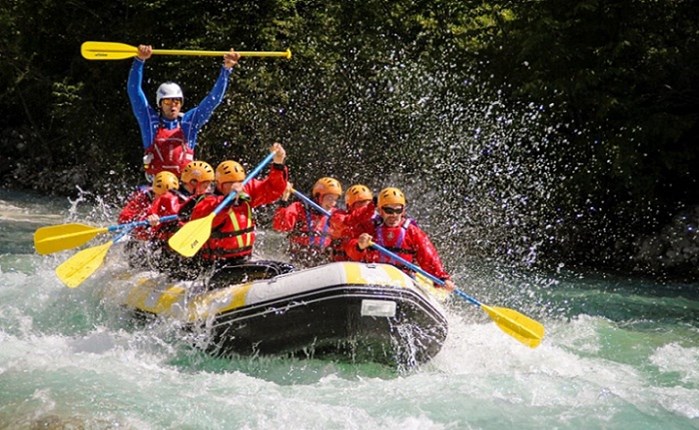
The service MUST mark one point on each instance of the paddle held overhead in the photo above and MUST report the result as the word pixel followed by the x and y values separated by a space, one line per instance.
pixel 121 51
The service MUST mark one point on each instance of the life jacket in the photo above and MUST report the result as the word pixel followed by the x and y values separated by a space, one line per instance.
pixel 311 232
pixel 235 237
pixel 393 239
pixel 169 151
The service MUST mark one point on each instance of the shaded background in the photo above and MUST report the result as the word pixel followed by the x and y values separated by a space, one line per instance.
pixel 555 134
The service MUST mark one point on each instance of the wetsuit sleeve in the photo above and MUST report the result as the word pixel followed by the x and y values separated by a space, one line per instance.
pixel 427 256
pixel 285 218
pixel 352 250
pixel 203 111
pixel 166 204
pixel 205 206
pixel 338 227
pixel 269 189
pixel 139 102
pixel 345 226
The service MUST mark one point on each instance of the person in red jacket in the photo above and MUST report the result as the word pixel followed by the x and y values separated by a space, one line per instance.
pixel 393 230
pixel 140 201
pixel 197 178
pixel 359 207
pixel 154 253
pixel 233 229
pixel 310 240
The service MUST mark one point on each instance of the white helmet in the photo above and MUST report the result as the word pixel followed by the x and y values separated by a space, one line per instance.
pixel 168 90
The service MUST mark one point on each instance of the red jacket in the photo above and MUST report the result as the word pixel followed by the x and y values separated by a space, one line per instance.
pixel 136 209
pixel 233 228
pixel 166 204
pixel 407 240
pixel 307 228
pixel 342 227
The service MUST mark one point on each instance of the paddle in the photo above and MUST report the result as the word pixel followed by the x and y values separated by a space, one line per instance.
pixel 56 238
pixel 82 265
pixel 310 202
pixel 521 327
pixel 192 236
pixel 121 51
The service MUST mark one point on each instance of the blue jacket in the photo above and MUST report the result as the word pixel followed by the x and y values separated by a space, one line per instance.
pixel 149 119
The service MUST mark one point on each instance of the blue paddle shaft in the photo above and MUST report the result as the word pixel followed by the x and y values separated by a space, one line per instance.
pixel 311 202
pixel 421 271
pixel 132 225
pixel 252 174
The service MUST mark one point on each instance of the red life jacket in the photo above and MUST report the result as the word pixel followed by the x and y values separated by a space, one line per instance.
pixel 234 237
pixel 393 238
pixel 169 151
pixel 312 231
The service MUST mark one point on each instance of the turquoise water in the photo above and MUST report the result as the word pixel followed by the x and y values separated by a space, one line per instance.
pixel 618 354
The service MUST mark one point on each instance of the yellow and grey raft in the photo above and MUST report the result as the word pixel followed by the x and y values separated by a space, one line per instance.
pixel 356 311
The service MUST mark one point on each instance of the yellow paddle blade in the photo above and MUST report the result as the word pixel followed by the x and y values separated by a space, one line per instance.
pixel 56 238
pixel 107 51
pixel 519 326
pixel 79 267
pixel 192 236
pixel 121 51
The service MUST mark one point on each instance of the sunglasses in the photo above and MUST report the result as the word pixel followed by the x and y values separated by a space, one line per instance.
pixel 169 102
pixel 392 211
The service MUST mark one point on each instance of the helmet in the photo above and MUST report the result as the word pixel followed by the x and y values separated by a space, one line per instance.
pixel 391 196
pixel 199 170
pixel 325 186
pixel 168 90
pixel 229 171
pixel 165 181
pixel 357 193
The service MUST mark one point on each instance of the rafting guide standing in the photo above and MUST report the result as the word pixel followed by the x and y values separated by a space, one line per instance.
pixel 169 136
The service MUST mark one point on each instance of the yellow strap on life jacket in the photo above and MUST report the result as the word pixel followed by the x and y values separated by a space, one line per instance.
pixel 236 227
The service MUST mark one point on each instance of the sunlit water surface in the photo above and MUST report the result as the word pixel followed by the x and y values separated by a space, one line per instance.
pixel 618 354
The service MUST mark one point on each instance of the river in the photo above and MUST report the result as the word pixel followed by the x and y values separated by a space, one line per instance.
pixel 619 353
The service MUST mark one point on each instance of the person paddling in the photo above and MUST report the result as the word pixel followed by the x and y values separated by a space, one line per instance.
pixel 233 229
pixel 393 230
pixel 310 240
pixel 197 178
pixel 139 202
pixel 195 183
pixel 168 135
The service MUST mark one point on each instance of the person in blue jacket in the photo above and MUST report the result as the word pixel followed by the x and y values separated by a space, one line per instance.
pixel 170 136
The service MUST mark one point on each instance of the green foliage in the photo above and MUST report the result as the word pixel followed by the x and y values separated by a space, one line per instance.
pixel 379 86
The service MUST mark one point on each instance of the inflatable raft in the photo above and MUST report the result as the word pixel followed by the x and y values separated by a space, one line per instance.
pixel 348 311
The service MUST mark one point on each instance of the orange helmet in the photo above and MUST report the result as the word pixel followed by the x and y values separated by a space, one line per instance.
pixel 325 186
pixel 165 181
pixel 199 170
pixel 357 193
pixel 229 171
pixel 391 196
